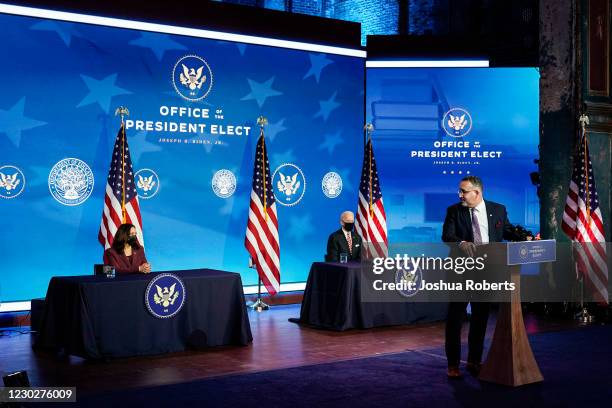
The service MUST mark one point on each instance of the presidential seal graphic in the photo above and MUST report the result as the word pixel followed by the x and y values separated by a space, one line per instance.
pixel 71 181
pixel 289 184
pixel 409 280
pixel 523 251
pixel 192 78
pixel 331 184
pixel 224 183
pixel 457 122
pixel 165 295
pixel 147 183
pixel 12 182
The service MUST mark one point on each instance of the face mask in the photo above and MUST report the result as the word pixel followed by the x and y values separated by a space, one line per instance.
pixel 348 226
pixel 132 239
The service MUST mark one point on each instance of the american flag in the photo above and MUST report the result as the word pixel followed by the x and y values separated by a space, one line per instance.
pixel 582 222
pixel 119 186
pixel 371 223
pixel 262 228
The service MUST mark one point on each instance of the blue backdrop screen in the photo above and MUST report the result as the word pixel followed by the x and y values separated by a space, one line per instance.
pixel 61 83
pixel 437 125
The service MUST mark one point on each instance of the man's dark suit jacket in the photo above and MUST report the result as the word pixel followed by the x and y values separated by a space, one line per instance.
pixel 458 223
pixel 337 243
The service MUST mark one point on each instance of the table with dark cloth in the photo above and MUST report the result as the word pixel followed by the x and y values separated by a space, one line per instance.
pixel 97 317
pixel 332 300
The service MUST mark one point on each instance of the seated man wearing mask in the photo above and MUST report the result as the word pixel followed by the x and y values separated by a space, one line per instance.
pixel 344 241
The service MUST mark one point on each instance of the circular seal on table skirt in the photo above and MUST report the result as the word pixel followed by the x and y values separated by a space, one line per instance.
pixel 409 280
pixel 165 295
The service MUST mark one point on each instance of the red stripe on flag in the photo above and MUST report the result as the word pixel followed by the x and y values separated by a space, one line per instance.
pixel 262 249
pixel 264 227
pixel 589 282
pixel 594 266
pixel 262 275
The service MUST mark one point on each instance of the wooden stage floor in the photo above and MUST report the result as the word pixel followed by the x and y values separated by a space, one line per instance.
pixel 277 343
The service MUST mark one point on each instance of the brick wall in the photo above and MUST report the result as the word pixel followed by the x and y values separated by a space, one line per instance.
pixel 241 2
pixel 275 4
pixel 311 7
pixel 375 16
pixel 420 17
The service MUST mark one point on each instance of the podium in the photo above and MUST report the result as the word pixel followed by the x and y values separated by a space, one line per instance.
pixel 510 360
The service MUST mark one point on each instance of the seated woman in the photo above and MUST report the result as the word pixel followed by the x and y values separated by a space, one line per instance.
pixel 126 254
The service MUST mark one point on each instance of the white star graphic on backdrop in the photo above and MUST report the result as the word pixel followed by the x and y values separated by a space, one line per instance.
pixel 300 227
pixel 317 63
pixel 274 129
pixel 331 141
pixel 101 91
pixel 327 107
pixel 65 30
pixel 140 145
pixel 284 157
pixel 260 91
pixel 13 122
pixel 158 43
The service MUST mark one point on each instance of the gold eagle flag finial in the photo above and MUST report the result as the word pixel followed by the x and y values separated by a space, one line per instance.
pixel 123 111
pixel 262 121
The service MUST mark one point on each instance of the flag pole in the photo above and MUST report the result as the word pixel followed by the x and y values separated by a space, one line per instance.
pixel 122 111
pixel 369 128
pixel 260 305
pixel 584 317
pixel 261 122
pixel 584 120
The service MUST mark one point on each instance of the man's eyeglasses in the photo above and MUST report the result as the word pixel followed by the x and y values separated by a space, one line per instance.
pixel 463 192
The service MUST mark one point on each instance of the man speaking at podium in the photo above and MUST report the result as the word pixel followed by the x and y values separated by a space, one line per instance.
pixel 473 221
pixel 344 241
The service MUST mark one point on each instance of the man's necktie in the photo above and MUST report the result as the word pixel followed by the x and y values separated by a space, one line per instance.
pixel 349 239
pixel 476 227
